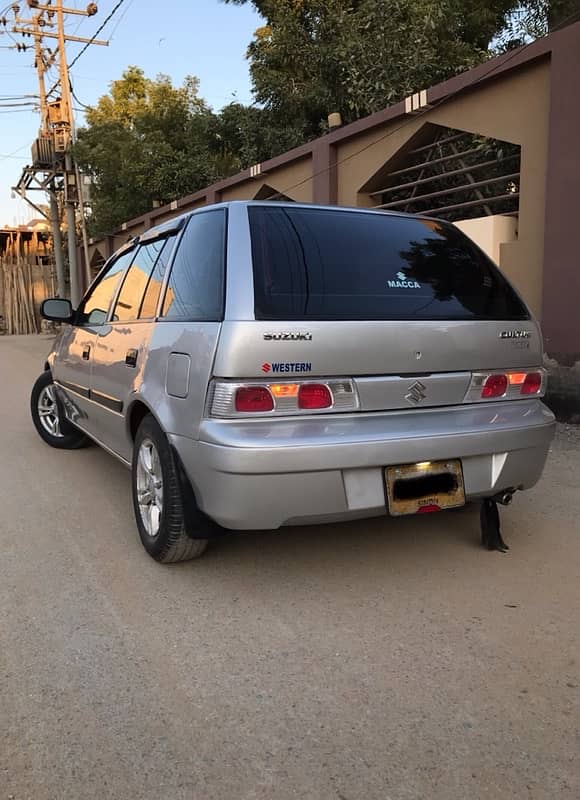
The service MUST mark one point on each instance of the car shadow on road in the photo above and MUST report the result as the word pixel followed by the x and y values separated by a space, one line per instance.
pixel 430 538
pixel 413 544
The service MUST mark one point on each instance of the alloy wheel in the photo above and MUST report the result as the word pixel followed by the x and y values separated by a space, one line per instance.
pixel 149 487
pixel 48 411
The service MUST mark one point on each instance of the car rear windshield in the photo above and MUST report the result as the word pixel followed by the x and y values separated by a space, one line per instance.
pixel 312 263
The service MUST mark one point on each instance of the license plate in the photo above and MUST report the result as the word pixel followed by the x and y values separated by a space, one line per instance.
pixel 423 487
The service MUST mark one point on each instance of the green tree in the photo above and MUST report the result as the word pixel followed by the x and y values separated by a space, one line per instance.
pixel 245 135
pixel 148 142
pixel 145 141
pixel 535 18
pixel 313 57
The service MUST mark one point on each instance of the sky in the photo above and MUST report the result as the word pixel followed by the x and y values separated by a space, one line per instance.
pixel 205 38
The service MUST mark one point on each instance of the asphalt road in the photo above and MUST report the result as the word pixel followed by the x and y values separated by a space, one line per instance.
pixel 383 660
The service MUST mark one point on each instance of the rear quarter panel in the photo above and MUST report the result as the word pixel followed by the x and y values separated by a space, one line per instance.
pixel 197 341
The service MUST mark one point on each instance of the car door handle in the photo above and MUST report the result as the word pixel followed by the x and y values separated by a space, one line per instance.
pixel 131 358
pixel 87 352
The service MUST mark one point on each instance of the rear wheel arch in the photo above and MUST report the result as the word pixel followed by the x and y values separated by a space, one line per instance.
pixel 136 413
pixel 182 530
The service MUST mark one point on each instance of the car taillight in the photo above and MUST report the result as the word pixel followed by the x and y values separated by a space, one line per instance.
pixel 495 386
pixel 314 396
pixel 532 383
pixel 229 399
pixel 254 400
pixel 508 385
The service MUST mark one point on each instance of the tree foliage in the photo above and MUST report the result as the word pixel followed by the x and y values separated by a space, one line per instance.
pixel 533 18
pixel 356 56
pixel 313 57
pixel 147 141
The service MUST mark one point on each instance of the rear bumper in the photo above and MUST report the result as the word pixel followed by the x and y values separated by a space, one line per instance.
pixel 268 473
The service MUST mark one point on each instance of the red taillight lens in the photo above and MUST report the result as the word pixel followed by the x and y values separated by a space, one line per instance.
pixel 314 395
pixel 532 384
pixel 495 386
pixel 230 399
pixel 254 399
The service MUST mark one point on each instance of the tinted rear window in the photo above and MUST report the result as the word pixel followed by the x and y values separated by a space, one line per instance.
pixel 320 264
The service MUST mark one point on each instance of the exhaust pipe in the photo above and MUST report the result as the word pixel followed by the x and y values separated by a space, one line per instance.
pixel 504 498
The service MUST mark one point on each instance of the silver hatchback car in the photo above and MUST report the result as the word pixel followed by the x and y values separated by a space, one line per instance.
pixel 261 364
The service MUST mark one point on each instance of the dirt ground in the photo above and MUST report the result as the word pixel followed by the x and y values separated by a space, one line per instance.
pixel 378 660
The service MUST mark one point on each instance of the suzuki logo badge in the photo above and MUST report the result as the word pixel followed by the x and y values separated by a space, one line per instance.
pixel 416 394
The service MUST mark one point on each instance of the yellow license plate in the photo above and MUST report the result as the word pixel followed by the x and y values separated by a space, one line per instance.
pixel 423 487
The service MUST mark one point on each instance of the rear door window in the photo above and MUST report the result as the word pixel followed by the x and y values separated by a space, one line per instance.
pixel 136 281
pixel 195 290
pixel 153 291
pixel 95 307
pixel 323 264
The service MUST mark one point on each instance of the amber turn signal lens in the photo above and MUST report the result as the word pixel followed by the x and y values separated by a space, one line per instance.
pixel 284 389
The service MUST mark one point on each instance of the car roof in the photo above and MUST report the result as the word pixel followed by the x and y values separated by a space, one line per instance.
pixel 176 223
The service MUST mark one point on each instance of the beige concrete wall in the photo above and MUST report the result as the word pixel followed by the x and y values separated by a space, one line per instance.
pixel 515 109
pixel 356 168
pixel 193 206
pixel 284 180
pixel 122 238
pixel 490 233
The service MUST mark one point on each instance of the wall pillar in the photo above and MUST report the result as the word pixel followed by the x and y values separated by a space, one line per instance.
pixel 324 173
pixel 212 197
pixel 561 284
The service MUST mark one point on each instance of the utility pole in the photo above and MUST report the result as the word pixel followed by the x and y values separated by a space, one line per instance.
pixel 67 116
pixel 52 154
pixel 41 68
pixel 40 71
pixel 57 243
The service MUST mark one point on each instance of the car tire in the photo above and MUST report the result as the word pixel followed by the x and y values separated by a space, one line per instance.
pixel 49 419
pixel 170 526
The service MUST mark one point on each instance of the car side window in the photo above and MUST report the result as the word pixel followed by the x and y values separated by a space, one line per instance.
pixel 94 309
pixel 136 281
pixel 196 284
pixel 152 292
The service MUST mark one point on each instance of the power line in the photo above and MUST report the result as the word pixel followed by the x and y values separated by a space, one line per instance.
pixel 120 20
pixel 14 155
pixel 92 39
pixel 80 102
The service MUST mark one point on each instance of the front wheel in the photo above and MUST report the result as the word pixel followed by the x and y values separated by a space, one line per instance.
pixel 167 531
pixel 49 419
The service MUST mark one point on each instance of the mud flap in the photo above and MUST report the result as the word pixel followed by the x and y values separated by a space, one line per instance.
pixel 491 537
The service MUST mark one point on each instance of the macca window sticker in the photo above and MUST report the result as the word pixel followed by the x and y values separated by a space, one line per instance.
pixel 402 282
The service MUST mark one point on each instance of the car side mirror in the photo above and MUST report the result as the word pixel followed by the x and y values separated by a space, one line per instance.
pixel 57 309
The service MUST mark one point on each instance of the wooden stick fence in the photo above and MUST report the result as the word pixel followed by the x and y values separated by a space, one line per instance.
pixel 26 281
